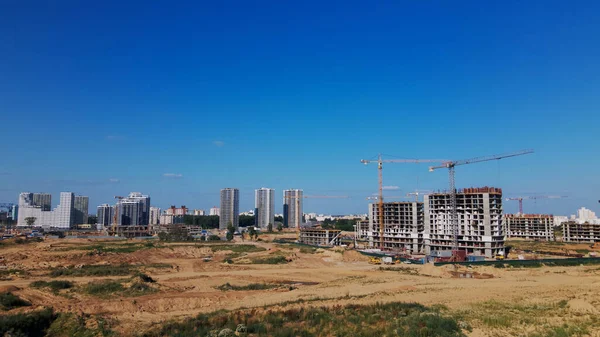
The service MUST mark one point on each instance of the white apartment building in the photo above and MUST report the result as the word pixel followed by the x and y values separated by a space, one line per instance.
pixel 292 208
pixel 264 203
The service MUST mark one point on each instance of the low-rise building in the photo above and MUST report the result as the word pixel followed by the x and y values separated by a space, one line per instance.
pixel 574 231
pixel 320 237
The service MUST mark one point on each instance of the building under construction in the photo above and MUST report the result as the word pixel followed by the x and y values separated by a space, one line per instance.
pixel 320 237
pixel 530 226
pixel 480 228
pixel 580 232
pixel 404 225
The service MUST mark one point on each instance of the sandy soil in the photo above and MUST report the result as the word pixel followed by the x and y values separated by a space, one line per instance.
pixel 344 277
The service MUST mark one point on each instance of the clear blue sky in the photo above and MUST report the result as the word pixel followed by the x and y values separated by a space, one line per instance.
pixel 287 94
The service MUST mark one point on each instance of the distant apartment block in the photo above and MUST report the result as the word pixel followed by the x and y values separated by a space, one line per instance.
pixel 264 203
pixel 230 208
pixel 154 215
pixel 177 211
pixel 81 208
pixel 292 208
pixel 530 226
pixel 104 214
pixel 215 211
pixel 62 217
pixel 480 228
pixel 134 210
pixel 574 231
pixel 199 212
pixel 404 226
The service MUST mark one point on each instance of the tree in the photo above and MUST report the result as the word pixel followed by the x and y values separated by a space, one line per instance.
pixel 252 232
pixel 230 231
pixel 278 218
pixel 30 220
pixel 247 220
pixel 270 228
pixel 92 219
pixel 279 227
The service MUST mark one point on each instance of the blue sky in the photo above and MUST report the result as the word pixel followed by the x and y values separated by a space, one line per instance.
pixel 104 98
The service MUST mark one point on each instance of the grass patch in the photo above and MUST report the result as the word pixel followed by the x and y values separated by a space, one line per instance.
pixel 269 260
pixel 403 270
pixel 55 285
pixel 4 273
pixel 390 319
pixel 33 324
pixel 104 288
pixel 308 250
pixel 70 324
pixel 95 270
pixel 251 286
pixel 9 301
pixel 159 265
pixel 140 285
pixel 237 248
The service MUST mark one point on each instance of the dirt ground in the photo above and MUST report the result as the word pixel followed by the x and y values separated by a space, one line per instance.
pixel 320 277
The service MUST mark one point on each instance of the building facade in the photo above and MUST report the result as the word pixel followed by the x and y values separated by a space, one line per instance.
pixel 404 226
pixel 43 200
pixel 134 210
pixel 62 217
pixel 104 213
pixel 215 211
pixel 199 212
pixel 81 208
pixel 575 231
pixel 292 208
pixel 230 208
pixel 530 226
pixel 154 215
pixel 264 204
pixel 480 227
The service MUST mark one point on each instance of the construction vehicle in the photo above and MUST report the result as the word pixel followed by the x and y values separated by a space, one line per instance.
pixel 533 197
pixel 595 245
pixel 450 165
pixel 499 256
pixel 374 260
pixel 380 162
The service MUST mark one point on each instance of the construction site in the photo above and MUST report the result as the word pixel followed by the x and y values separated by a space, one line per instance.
pixel 573 231
pixel 530 226
pixel 319 237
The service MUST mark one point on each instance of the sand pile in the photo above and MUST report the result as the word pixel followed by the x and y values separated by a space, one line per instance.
pixel 354 256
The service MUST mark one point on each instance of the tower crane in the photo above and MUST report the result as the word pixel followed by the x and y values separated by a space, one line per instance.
pixel 380 162
pixel 450 165
pixel 417 193
pixel 520 199
pixel 389 196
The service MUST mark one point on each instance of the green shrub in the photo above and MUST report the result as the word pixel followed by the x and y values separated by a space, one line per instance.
pixel 238 248
pixel 104 288
pixel 33 324
pixel 55 285
pixel 72 325
pixel 10 301
pixel 270 260
pixel 139 289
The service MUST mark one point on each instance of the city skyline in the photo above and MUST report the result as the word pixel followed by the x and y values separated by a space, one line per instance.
pixel 312 95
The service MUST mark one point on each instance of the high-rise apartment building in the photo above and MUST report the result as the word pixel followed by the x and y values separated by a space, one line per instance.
pixel 61 217
pixel 292 208
pixel 14 212
pixel 81 209
pixel 105 215
pixel 264 204
pixel 43 200
pixel 480 227
pixel 230 208
pixel 154 215
pixel 64 212
pixel 134 210
pixel 199 212
pixel 404 226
